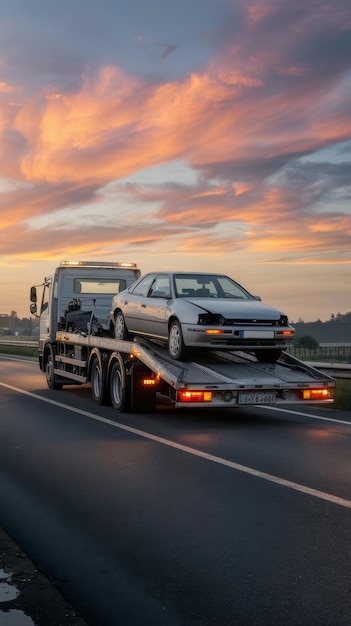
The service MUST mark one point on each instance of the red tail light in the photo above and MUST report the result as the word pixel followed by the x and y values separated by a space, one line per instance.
pixel 186 395
pixel 316 394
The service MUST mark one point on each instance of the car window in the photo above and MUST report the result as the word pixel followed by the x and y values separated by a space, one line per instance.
pixel 208 286
pixel 143 286
pixel 161 287
pixel 230 289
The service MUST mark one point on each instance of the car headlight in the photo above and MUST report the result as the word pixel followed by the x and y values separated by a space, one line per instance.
pixel 283 321
pixel 210 319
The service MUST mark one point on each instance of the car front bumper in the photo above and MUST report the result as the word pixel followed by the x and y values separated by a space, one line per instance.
pixel 196 336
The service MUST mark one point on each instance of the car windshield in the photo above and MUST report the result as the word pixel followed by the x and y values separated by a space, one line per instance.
pixel 209 286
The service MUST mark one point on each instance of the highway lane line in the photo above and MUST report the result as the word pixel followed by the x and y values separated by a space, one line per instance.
pixel 327 497
pixel 316 417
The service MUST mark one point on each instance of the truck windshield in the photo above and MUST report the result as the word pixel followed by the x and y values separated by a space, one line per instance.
pixel 91 285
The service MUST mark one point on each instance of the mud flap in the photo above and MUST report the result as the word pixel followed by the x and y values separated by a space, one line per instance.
pixel 143 396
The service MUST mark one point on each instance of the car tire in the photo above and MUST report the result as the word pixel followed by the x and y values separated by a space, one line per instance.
pixel 268 356
pixel 176 346
pixel 121 330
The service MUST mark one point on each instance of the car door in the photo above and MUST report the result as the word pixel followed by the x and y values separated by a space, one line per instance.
pixel 154 308
pixel 132 302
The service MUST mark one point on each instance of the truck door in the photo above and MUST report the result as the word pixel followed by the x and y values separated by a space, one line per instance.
pixel 44 312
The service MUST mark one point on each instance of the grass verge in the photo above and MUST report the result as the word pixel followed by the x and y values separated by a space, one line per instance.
pixel 19 350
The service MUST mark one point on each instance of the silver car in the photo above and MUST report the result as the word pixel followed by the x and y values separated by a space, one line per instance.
pixel 196 310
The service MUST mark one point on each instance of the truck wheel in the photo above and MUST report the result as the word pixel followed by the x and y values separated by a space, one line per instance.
pixel 121 331
pixel 268 356
pixel 97 378
pixel 176 346
pixel 120 392
pixel 51 378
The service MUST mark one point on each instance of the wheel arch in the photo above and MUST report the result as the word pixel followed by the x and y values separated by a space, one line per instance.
pixel 172 318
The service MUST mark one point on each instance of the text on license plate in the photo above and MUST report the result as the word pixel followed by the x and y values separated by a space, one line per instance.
pixel 259 397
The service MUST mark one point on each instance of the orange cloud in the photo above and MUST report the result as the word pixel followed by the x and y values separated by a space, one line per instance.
pixel 252 110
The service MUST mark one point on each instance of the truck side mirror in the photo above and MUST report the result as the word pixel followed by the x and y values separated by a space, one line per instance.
pixel 33 308
pixel 33 294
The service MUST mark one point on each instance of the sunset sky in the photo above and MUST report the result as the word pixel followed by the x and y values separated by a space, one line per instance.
pixel 212 135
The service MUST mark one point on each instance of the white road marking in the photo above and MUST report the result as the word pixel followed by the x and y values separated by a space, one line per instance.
pixel 199 453
pixel 316 417
pixel 13 358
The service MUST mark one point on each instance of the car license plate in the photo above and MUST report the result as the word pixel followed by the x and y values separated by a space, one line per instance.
pixel 259 397
pixel 257 334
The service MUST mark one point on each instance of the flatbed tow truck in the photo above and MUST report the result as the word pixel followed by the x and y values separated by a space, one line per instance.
pixel 132 373
pixel 135 375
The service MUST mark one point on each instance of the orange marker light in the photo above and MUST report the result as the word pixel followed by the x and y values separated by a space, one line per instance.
pixel 213 331
pixel 147 382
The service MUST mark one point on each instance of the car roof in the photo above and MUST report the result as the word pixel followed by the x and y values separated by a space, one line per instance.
pixel 185 273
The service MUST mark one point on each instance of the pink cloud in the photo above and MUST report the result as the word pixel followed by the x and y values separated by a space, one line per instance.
pixel 258 105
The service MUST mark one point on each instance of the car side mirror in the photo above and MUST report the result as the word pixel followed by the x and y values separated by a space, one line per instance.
pixel 33 309
pixel 258 298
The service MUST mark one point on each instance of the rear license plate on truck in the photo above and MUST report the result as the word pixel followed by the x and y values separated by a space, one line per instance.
pixel 259 397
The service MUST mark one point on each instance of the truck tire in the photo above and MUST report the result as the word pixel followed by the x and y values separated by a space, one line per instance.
pixel 51 377
pixel 121 330
pixel 120 392
pixel 268 356
pixel 98 380
pixel 176 346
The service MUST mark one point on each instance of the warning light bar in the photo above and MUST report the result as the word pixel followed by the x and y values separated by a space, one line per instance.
pixel 97 264
pixel 316 394
pixel 186 395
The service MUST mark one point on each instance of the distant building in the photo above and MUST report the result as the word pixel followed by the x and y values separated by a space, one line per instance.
pixel 12 324
pixel 5 321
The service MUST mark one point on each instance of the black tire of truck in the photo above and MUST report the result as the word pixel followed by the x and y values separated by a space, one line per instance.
pixel 120 387
pixel 268 356
pixel 99 390
pixel 51 378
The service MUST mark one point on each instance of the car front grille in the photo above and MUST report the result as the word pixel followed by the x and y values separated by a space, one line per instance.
pixel 252 322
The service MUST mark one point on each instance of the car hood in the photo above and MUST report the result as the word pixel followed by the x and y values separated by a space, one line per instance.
pixel 239 309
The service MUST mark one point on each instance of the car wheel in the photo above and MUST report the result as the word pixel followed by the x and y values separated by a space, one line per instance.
pixel 176 346
pixel 268 356
pixel 121 331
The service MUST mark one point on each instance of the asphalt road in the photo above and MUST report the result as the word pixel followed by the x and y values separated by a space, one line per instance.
pixel 178 518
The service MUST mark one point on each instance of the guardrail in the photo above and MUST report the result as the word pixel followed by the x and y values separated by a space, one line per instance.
pixel 20 344
pixel 336 370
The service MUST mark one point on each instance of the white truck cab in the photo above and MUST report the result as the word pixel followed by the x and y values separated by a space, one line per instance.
pixel 91 283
